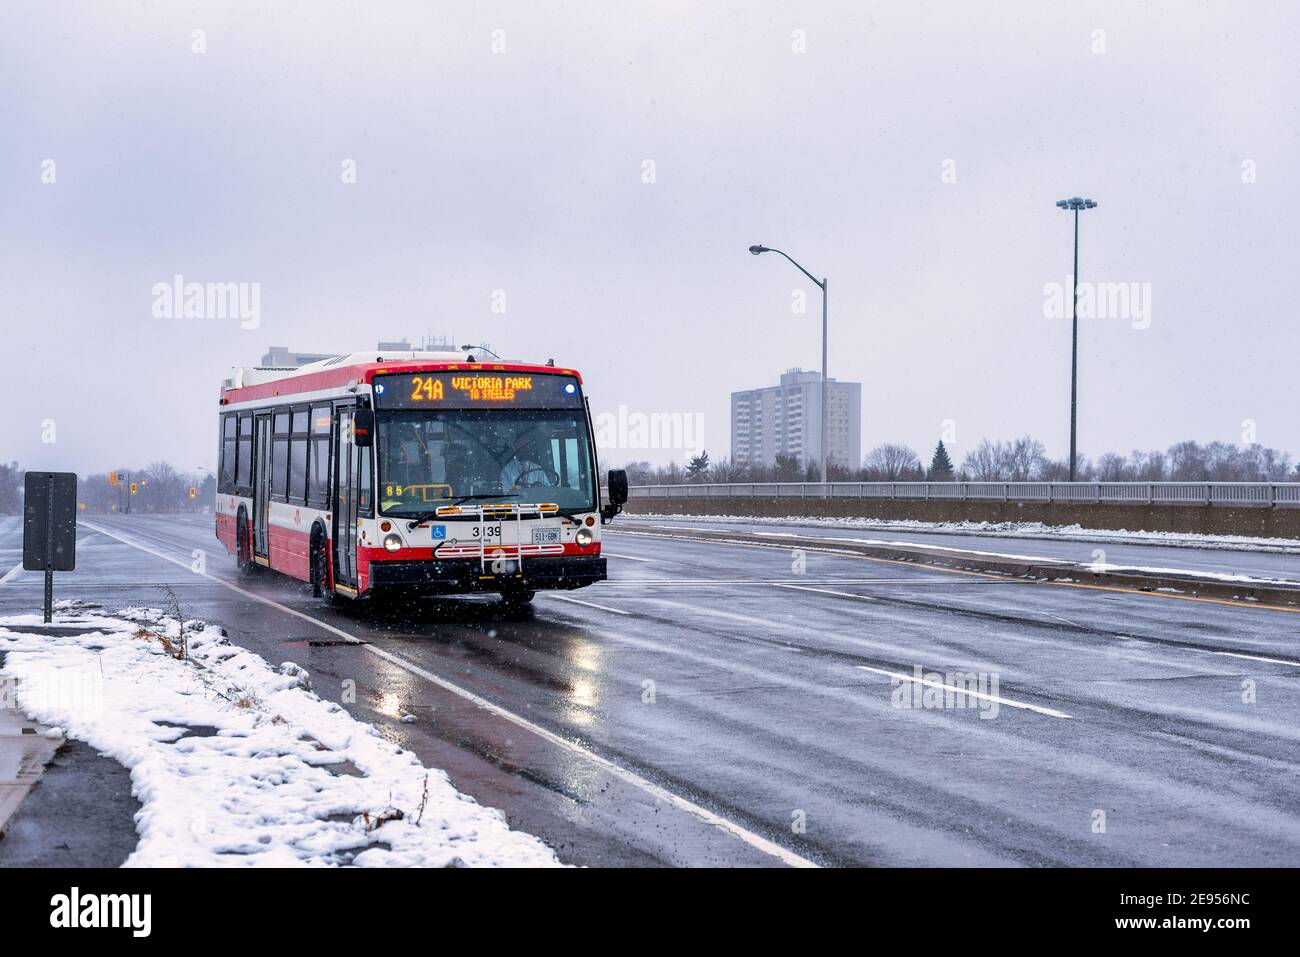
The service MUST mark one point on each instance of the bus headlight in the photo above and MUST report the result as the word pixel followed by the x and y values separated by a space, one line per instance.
pixel 393 542
pixel 583 537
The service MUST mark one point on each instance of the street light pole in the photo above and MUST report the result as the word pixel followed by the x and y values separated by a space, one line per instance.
pixel 825 386
pixel 821 284
pixel 1075 203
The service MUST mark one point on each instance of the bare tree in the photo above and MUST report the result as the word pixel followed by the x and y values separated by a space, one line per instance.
pixel 725 470
pixel 639 473
pixel 1187 463
pixel 983 463
pixel 1112 467
pixel 890 463
pixel 787 469
pixel 1023 459
pixel 1147 466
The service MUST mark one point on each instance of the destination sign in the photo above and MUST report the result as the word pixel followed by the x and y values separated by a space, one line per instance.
pixel 475 389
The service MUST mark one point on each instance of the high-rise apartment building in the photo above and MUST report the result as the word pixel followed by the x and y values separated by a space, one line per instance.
pixel 785 420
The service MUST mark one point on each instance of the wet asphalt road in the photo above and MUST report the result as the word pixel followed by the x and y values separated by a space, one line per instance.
pixel 712 705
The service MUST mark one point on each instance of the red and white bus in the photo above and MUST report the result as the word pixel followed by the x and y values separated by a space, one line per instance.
pixel 415 472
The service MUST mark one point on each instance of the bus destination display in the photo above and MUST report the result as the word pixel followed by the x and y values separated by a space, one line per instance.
pixel 477 389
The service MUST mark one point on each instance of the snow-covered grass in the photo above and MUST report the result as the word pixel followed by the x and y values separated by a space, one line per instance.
pixel 238 763
pixel 1027 530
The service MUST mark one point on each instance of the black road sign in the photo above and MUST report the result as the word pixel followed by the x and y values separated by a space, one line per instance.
pixel 50 527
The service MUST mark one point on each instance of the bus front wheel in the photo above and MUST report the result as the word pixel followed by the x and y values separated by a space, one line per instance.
pixel 517 599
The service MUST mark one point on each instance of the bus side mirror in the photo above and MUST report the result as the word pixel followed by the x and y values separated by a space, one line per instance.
pixel 617 486
pixel 617 494
pixel 363 427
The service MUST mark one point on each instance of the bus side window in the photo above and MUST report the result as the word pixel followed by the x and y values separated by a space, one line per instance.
pixel 244 463
pixel 364 481
pixel 280 455
pixel 227 452
pixel 318 469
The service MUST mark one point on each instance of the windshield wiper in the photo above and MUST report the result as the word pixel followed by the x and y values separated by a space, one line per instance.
pixel 416 520
pixel 466 498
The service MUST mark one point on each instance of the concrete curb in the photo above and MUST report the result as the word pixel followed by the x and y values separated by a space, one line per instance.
pixel 1008 566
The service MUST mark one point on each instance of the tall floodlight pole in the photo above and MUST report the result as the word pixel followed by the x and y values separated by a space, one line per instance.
pixel 821 284
pixel 1075 203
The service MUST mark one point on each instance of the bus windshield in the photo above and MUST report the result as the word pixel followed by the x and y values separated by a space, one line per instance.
pixel 429 458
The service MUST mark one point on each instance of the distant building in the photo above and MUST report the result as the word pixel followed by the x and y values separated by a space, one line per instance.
pixel 280 357
pixel 785 420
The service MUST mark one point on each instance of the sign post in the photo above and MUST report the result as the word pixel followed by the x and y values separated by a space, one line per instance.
pixel 50 527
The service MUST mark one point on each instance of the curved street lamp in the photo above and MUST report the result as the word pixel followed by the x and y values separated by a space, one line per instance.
pixel 821 283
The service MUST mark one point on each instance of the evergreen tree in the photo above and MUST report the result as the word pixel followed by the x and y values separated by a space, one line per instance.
pixel 940 465
pixel 698 467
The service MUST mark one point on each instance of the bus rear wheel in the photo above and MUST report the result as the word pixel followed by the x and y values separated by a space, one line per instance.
pixel 244 547
pixel 320 566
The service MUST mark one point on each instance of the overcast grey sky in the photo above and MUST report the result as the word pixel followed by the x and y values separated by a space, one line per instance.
pixel 523 170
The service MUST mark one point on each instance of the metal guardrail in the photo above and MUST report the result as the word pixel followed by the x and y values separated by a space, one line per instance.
pixel 1259 494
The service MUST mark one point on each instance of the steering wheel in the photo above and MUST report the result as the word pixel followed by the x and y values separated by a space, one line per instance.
pixel 550 477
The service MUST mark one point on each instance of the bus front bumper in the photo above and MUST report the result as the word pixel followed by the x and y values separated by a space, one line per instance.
pixel 441 577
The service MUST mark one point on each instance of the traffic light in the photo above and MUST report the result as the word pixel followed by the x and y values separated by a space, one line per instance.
pixel 134 487
pixel 193 491
pixel 112 478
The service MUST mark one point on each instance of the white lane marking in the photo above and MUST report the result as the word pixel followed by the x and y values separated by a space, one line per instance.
pixel 825 591
pixel 629 558
pixel 12 573
pixel 1271 661
pixel 974 694
pixel 589 604
pixel 1073 624
pixel 755 841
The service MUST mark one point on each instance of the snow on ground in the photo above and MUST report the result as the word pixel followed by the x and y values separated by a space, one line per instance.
pixel 239 763
pixel 1030 530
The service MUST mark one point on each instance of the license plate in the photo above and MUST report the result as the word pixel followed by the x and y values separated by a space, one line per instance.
pixel 546 536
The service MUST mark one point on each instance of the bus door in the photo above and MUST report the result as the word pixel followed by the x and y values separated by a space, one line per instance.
pixel 345 501
pixel 261 481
